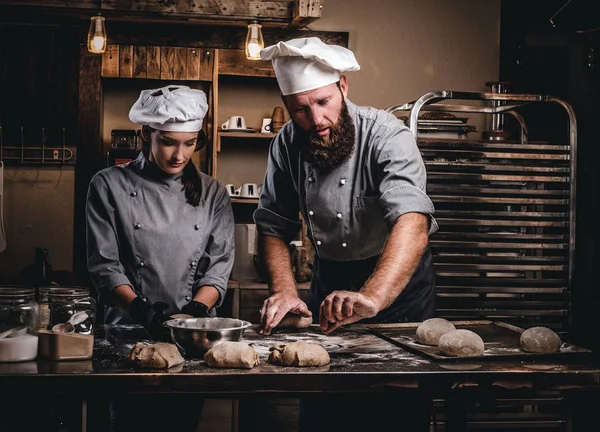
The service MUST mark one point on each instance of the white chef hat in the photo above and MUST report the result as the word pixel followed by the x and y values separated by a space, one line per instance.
pixel 174 108
pixel 304 64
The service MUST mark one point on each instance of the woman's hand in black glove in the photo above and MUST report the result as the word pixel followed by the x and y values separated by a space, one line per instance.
pixel 196 309
pixel 151 316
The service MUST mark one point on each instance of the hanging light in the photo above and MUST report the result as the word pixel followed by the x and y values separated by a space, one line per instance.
pixel 254 41
pixel 96 42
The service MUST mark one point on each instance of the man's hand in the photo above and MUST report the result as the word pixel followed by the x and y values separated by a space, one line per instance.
pixel 345 307
pixel 277 306
pixel 151 316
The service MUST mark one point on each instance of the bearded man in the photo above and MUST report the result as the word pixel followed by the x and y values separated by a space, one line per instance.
pixel 357 177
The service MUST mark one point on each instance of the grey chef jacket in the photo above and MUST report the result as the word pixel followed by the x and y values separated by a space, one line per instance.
pixel 141 232
pixel 351 209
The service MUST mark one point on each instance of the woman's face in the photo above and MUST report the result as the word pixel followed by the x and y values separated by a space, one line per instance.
pixel 171 151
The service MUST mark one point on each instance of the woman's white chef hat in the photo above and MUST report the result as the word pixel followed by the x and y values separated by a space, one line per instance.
pixel 304 64
pixel 173 108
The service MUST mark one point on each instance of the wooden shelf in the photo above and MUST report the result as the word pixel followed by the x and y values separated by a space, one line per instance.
pixel 251 135
pixel 237 200
pixel 231 284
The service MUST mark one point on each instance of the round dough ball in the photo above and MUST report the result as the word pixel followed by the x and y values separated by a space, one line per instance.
pixel 158 355
pixel 540 340
pixel 300 354
pixel 461 343
pixel 429 331
pixel 293 321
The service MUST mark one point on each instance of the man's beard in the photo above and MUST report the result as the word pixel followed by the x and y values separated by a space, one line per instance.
pixel 332 150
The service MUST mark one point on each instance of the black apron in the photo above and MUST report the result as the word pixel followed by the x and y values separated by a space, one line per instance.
pixel 415 303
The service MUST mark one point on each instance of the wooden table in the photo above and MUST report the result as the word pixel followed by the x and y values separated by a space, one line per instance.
pixel 361 362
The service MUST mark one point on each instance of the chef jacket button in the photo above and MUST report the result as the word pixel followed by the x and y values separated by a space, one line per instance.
pixel 192 264
pixel 339 215
pixel 142 264
pixel 344 244
pixel 318 242
pixel 133 194
pixel 196 227
pixel 311 213
pixel 187 298
pixel 310 179
pixel 343 181
pixel 137 226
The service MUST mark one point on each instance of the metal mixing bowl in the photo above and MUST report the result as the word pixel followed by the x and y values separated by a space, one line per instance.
pixel 195 336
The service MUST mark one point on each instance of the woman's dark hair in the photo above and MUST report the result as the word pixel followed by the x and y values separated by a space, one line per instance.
pixel 192 183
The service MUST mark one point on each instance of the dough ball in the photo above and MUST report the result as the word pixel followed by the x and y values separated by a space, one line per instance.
pixel 156 355
pixel 231 354
pixel 540 340
pixel 429 331
pixel 299 353
pixel 461 343
pixel 292 321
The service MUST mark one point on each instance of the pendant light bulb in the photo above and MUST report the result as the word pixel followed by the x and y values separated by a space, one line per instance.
pixel 96 42
pixel 254 41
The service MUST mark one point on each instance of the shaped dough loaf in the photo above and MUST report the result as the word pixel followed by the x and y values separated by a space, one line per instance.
pixel 231 354
pixel 292 321
pixel 461 343
pixel 540 340
pixel 156 356
pixel 430 331
pixel 299 353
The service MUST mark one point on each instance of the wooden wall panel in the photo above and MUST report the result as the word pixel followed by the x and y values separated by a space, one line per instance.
pixel 167 59
pixel 193 64
pixel 110 62
pixel 153 62
pixel 179 63
pixel 207 60
pixel 234 62
pixel 140 62
pixel 126 61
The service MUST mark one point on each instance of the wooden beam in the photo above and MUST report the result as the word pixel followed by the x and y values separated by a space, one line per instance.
pixel 271 13
pixel 306 11
pixel 90 157
pixel 206 36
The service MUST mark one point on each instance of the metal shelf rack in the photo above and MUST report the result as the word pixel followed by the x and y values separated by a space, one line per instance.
pixel 506 210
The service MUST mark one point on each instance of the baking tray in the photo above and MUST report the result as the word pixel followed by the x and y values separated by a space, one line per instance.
pixel 502 341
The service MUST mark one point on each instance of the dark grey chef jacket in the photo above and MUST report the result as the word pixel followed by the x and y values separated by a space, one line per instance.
pixel 142 233
pixel 351 209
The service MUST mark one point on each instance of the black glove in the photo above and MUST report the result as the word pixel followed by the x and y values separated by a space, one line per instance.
pixel 151 316
pixel 196 309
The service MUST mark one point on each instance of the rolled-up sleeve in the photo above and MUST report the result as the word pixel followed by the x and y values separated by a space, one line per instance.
pixel 216 262
pixel 403 177
pixel 102 246
pixel 278 210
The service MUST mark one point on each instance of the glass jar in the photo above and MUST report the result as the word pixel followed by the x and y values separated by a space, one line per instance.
pixel 19 314
pixel 67 309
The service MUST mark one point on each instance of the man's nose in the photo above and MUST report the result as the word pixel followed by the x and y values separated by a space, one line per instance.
pixel 316 116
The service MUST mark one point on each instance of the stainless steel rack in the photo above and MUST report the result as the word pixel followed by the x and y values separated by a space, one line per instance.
pixel 506 210
pixel 27 153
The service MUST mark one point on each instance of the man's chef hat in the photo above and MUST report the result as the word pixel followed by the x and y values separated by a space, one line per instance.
pixel 174 108
pixel 307 63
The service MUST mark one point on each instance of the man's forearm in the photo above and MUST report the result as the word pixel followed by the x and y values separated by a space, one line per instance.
pixel 276 257
pixel 399 259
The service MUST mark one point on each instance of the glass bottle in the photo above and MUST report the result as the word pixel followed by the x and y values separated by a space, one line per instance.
pixel 19 314
pixel 70 306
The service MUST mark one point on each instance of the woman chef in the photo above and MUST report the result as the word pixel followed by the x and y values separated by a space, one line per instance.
pixel 160 235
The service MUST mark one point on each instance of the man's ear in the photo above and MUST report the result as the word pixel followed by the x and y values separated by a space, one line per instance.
pixel 344 85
